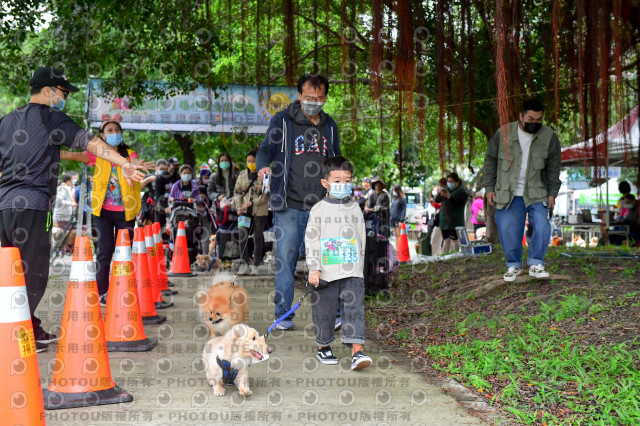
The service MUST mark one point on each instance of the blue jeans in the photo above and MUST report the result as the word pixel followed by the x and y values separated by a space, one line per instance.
pixel 290 226
pixel 511 221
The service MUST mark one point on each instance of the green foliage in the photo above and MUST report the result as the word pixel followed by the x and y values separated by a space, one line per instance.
pixel 548 367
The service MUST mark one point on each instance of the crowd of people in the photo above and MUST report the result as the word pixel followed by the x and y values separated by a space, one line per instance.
pixel 296 173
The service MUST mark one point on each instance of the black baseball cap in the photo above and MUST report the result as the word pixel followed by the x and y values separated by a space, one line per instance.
pixel 173 161
pixel 49 76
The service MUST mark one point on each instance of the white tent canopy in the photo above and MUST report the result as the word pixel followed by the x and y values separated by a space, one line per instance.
pixel 622 144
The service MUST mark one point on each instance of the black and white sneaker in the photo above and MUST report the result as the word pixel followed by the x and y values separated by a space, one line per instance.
pixel 43 337
pixel 360 361
pixel 338 324
pixel 326 356
pixel 41 347
pixel 103 300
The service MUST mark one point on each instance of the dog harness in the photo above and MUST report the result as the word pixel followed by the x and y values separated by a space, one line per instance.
pixel 228 374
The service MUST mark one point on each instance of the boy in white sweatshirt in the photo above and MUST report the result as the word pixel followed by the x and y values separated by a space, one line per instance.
pixel 335 242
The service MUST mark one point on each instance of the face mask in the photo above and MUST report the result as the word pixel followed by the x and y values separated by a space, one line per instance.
pixel 340 190
pixel 451 185
pixel 532 128
pixel 434 192
pixel 162 173
pixel 186 178
pixel 114 139
pixel 357 193
pixel 395 194
pixel 74 181
pixel 61 102
pixel 311 108
pixel 205 180
pixel 251 167
pixel 224 165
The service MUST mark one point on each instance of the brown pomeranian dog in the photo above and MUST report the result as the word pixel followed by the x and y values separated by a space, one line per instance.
pixel 206 264
pixel 224 305
pixel 228 357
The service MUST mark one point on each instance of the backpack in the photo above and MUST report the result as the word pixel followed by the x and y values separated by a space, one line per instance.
pixel 480 217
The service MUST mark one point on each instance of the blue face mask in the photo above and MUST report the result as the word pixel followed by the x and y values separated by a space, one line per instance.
pixel 224 165
pixel 186 178
pixel 114 139
pixel 340 190
pixel 451 185
pixel 61 103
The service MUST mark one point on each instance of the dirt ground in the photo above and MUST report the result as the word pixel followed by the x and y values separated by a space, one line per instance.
pixel 426 304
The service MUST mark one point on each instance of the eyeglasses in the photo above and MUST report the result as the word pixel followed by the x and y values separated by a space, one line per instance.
pixel 314 98
pixel 65 93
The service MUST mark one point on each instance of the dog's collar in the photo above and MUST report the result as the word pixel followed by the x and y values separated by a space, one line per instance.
pixel 228 374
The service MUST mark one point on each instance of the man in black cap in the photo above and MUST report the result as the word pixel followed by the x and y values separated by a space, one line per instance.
pixel 30 141
pixel 164 182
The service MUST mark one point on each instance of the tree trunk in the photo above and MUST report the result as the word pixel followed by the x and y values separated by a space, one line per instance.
pixel 186 145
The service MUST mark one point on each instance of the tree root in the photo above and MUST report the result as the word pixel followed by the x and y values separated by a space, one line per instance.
pixel 528 300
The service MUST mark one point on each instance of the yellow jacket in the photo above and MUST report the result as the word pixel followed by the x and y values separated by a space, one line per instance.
pixel 130 194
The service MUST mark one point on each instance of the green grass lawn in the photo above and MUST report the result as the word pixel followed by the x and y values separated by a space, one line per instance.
pixel 562 351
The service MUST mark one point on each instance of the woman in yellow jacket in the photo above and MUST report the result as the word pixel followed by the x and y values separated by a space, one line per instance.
pixel 114 202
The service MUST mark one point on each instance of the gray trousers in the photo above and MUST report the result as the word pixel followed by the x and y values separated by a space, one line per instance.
pixel 349 292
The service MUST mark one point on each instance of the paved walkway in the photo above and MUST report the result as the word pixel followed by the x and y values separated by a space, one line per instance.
pixel 292 387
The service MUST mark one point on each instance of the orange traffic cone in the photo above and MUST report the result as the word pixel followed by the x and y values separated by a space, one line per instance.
pixel 162 267
pixel 122 317
pixel 153 269
pixel 180 263
pixel 403 245
pixel 21 400
pixel 144 281
pixel 81 373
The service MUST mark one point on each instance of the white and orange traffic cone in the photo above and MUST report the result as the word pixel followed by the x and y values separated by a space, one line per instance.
pixel 153 269
pixel 20 394
pixel 180 266
pixel 162 267
pixel 122 317
pixel 403 245
pixel 81 372
pixel 144 281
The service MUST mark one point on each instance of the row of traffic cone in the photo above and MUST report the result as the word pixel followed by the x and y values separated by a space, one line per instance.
pixel 83 378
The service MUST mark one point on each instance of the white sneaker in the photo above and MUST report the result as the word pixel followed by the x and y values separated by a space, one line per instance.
pixel 511 274
pixel 537 271
pixel 253 270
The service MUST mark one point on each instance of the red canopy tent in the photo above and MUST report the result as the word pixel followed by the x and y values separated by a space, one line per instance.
pixel 622 141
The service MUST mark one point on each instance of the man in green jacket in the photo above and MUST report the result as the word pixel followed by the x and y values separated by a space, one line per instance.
pixel 523 179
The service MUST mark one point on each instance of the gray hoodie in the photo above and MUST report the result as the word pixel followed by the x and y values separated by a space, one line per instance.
pixel 310 148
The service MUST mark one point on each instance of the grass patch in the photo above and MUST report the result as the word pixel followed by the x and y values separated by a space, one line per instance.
pixel 547 368
pixel 560 351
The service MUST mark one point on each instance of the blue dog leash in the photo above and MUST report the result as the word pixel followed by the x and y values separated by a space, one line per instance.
pixel 296 306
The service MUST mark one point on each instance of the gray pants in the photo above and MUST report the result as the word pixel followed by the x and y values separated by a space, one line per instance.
pixel 349 292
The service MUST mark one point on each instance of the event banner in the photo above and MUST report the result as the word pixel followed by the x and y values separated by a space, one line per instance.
pixel 233 108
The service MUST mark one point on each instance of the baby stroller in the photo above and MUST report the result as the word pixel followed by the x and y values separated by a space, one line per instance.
pixel 197 233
